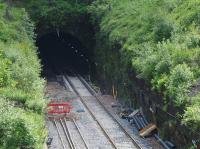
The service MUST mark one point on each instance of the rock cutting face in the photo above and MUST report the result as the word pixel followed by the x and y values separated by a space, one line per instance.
pixel 62 52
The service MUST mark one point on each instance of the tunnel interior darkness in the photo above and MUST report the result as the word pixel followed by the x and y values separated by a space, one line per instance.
pixel 62 52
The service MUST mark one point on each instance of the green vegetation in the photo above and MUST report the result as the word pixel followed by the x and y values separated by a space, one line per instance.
pixel 155 40
pixel 21 88
pixel 68 16
pixel 55 14
pixel 22 101
pixel 158 40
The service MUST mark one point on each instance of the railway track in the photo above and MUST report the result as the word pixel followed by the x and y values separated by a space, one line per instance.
pixel 118 137
pixel 59 134
pixel 92 91
pixel 65 135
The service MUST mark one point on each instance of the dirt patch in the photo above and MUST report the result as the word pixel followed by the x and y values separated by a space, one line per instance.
pixel 55 91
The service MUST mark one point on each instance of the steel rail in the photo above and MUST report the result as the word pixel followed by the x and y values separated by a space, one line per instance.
pixel 67 134
pixel 62 142
pixel 79 131
pixel 91 113
pixel 91 90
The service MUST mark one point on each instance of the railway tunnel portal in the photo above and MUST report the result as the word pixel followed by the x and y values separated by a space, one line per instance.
pixel 62 52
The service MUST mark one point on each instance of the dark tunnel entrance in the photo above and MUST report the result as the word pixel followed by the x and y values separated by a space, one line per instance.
pixel 62 52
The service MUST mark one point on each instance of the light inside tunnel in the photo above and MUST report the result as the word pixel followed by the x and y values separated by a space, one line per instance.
pixel 63 52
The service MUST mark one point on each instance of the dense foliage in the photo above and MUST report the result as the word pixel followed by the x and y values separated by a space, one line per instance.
pixel 68 16
pixel 21 88
pixel 156 40
pixel 55 14
pixel 159 40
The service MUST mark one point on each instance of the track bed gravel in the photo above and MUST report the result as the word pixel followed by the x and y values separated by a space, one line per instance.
pixel 88 126
pixel 149 143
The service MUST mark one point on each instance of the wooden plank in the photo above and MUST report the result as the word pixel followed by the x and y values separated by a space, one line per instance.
pixel 146 131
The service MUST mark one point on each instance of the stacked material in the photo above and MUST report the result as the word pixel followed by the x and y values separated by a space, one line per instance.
pixel 145 129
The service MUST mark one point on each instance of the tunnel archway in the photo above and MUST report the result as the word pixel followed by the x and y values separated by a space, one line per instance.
pixel 62 52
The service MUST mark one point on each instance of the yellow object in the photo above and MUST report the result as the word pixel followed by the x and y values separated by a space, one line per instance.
pixel 114 92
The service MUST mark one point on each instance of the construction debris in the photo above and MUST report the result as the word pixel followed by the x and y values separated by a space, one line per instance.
pixel 114 105
pixel 146 131
pixel 125 113
pixel 49 140
pixel 80 110
pixel 170 144
pixel 133 113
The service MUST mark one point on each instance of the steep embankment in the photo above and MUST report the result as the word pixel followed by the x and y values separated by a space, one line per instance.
pixel 156 40
pixel 21 88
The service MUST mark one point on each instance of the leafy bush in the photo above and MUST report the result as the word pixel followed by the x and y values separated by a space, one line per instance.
pixel 5 73
pixel 162 41
pixel 180 80
pixel 21 88
pixel 192 116
pixel 55 13
pixel 14 132
pixel 18 128
pixel 163 31
pixel 14 95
